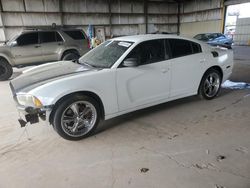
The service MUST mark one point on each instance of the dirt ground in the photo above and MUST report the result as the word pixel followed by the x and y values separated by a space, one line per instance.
pixel 188 143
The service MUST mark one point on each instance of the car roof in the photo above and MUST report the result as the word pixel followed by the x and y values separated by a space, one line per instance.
pixel 145 37
pixel 208 33
pixel 56 29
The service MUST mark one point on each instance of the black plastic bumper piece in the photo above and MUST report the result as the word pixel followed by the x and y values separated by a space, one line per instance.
pixel 32 118
pixel 29 118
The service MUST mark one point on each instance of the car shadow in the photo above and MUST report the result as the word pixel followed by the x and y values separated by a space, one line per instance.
pixel 120 120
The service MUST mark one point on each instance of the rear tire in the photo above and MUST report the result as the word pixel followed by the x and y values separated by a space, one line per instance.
pixel 210 84
pixel 6 70
pixel 70 56
pixel 76 117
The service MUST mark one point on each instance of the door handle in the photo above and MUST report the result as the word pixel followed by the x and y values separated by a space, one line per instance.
pixel 202 61
pixel 165 70
pixel 59 44
pixel 37 46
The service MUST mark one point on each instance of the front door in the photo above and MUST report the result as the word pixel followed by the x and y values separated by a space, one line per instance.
pixel 27 49
pixel 148 82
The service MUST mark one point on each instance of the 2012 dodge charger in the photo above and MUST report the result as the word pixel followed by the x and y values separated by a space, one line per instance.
pixel 119 76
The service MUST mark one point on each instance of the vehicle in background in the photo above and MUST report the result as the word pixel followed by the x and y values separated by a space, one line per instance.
pixel 41 46
pixel 215 39
pixel 119 76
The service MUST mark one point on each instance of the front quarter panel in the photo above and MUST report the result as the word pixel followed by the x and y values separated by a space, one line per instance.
pixel 100 82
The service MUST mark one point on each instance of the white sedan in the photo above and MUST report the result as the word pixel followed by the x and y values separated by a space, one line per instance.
pixel 119 76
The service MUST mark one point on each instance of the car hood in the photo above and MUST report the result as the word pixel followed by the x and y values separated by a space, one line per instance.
pixel 44 73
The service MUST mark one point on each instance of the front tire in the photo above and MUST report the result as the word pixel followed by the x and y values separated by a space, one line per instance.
pixel 6 70
pixel 210 84
pixel 76 117
pixel 70 56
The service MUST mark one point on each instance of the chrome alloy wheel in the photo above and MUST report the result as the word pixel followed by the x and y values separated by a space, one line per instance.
pixel 212 84
pixel 79 118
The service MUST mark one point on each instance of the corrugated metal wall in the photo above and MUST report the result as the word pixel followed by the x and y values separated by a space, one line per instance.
pixel 199 16
pixel 124 17
pixel 242 32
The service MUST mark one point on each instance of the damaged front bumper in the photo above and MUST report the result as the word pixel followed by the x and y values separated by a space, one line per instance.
pixel 32 115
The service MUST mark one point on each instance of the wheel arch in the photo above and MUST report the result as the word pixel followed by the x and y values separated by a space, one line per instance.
pixel 72 50
pixel 215 67
pixel 2 56
pixel 85 93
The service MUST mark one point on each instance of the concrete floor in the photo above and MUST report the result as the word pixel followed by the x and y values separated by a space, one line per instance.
pixel 189 143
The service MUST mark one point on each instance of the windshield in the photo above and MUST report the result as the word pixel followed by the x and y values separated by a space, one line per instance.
pixel 105 55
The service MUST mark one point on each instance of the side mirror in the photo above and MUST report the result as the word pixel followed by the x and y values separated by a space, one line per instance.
pixel 130 62
pixel 13 43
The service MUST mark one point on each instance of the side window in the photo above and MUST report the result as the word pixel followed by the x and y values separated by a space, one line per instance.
pixel 58 37
pixel 221 35
pixel 75 34
pixel 180 47
pixel 149 52
pixel 196 48
pixel 48 36
pixel 27 39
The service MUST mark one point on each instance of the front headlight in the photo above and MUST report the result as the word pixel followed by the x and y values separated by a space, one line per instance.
pixel 29 100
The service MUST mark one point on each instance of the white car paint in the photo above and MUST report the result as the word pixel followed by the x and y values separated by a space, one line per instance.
pixel 123 90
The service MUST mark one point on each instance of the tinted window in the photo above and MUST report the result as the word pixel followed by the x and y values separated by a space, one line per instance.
pixel 212 36
pixel 58 37
pixel 196 47
pixel 75 34
pixel 48 36
pixel 203 37
pixel 221 35
pixel 149 52
pixel 27 39
pixel 180 47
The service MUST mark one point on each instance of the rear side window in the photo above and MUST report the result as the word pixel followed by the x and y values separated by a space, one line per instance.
pixel 149 52
pixel 180 47
pixel 48 36
pixel 27 39
pixel 196 47
pixel 75 34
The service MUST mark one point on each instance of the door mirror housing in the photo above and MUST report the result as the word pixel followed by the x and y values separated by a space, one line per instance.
pixel 13 43
pixel 130 62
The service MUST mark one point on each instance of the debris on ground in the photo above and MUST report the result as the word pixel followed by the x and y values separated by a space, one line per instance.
pixel 219 186
pixel 220 158
pixel 174 136
pixel 242 150
pixel 235 85
pixel 200 166
pixel 204 166
pixel 207 151
pixel 144 170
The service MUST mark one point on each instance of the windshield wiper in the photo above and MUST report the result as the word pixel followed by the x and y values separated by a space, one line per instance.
pixel 93 66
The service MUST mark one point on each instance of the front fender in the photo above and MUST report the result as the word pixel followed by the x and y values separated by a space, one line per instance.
pixel 101 83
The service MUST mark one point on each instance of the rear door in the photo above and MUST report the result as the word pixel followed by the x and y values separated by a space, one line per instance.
pixel 187 67
pixel 27 49
pixel 79 40
pixel 51 45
